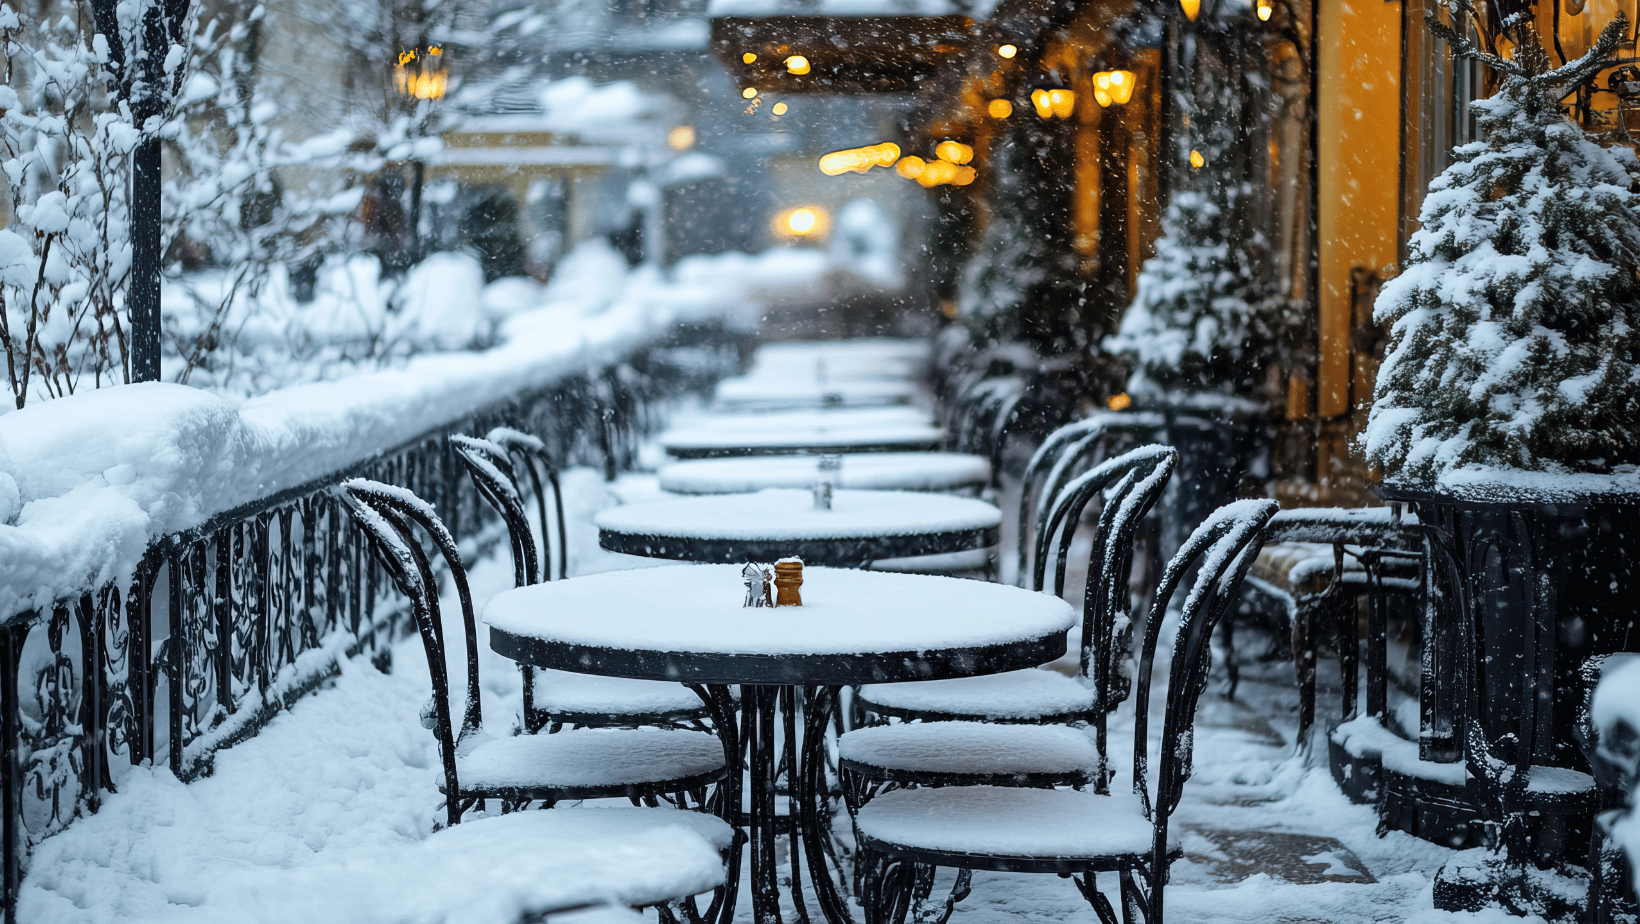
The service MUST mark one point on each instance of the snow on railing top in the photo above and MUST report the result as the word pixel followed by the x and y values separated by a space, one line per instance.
pixel 87 482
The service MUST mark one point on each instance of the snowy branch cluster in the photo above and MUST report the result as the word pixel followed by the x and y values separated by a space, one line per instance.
pixel 1515 327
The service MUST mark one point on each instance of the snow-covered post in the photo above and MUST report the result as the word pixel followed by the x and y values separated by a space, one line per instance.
pixel 1505 413
pixel 149 54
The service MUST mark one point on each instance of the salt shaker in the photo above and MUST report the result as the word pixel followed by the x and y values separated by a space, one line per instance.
pixel 756 577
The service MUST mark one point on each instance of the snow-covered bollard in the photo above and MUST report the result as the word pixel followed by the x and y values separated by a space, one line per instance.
pixel 831 465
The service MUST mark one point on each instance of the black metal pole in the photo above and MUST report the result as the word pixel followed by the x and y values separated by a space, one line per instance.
pixel 143 293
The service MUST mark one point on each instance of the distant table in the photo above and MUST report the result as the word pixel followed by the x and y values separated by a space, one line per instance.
pixel 875 471
pixel 860 528
pixel 776 392
pixel 842 430
pixel 686 623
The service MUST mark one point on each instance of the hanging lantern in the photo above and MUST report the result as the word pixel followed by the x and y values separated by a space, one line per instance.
pixel 1192 8
pixel 420 74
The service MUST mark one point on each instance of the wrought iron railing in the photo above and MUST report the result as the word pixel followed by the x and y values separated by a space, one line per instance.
pixel 225 624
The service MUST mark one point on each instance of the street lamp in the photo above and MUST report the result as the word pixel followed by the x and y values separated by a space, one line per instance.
pixel 420 75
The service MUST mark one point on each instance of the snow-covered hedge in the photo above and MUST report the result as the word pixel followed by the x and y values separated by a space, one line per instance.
pixel 89 480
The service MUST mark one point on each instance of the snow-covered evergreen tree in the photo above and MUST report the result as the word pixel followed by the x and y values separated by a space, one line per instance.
pixel 1205 319
pixel 1515 327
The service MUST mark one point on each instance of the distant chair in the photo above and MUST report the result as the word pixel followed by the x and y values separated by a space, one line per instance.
pixel 645 765
pixel 905 834
pixel 1131 484
pixel 555 699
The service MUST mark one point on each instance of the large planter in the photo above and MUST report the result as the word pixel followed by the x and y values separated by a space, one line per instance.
pixel 1550 582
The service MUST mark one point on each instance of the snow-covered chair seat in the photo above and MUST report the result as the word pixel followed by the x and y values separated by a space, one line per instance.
pixel 994 827
pixel 1130 485
pixel 944 753
pixel 588 699
pixel 638 763
pixel 553 699
pixel 903 831
pixel 586 763
pixel 1032 695
pixel 576 865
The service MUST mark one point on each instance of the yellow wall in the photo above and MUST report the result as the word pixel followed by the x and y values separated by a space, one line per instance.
pixel 1359 133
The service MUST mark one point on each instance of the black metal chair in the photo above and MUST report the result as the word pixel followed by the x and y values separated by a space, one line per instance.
pixel 904 833
pixel 1091 440
pixel 1133 482
pixel 645 765
pixel 557 699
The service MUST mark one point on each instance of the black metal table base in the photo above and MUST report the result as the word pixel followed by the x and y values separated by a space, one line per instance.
pixel 777 736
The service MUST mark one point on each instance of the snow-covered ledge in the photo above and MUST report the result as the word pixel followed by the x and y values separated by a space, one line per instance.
pixel 88 481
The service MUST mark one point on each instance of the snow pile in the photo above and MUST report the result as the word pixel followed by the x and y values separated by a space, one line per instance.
pixel 88 481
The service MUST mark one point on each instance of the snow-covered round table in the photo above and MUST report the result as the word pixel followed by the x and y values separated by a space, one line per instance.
pixel 769 392
pixel 871 471
pixel 686 623
pixel 861 527
pixel 841 430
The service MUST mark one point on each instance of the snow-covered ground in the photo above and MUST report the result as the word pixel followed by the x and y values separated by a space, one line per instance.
pixel 347 780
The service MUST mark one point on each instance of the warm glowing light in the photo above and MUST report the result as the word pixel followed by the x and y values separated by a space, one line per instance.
pixel 964 176
pixel 748 58
pixel 780 108
pixel 911 166
pixel 860 160
pixel 1113 87
pixel 1121 86
pixel 1192 8
pixel 1039 99
pixel 1007 51
pixel 801 221
pixel 1120 402
pixel 936 173
pixel 1062 102
pixel 421 76
pixel 1265 9
pixel 681 138
pixel 999 109
pixel 797 64
pixel 805 221
pixel 954 151
pixel 748 93
pixel 1197 160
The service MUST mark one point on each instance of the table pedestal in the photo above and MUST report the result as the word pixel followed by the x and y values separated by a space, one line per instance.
pixel 777 734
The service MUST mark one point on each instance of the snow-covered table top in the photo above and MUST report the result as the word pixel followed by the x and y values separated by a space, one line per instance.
pixel 859 430
pixel 686 622
pixel 770 391
pixel 881 471
pixel 840 360
pixel 860 527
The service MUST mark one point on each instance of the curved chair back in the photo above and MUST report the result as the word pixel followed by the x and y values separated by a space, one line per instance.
pixel 386 514
pixel 492 471
pixel 1222 548
pixel 530 455
pixel 1131 483
pixel 1056 459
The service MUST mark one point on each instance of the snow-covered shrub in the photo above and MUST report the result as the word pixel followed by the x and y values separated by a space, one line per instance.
pixel 1515 327
pixel 1207 316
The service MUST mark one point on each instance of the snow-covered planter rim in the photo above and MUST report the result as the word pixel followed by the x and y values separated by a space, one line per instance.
pixel 1494 486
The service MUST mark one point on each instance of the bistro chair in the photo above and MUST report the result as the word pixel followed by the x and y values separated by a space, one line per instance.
pixel 904 834
pixel 556 699
pixel 1095 438
pixel 1132 484
pixel 641 764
